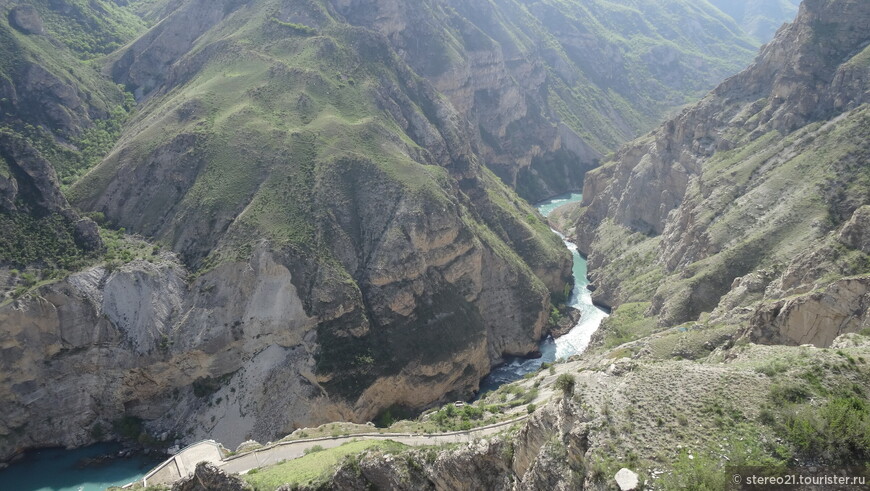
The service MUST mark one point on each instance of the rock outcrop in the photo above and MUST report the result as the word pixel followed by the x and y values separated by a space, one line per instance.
pixel 480 466
pixel 856 233
pixel 722 190
pixel 32 187
pixel 207 477
pixel 815 318
pixel 26 19
pixel 546 453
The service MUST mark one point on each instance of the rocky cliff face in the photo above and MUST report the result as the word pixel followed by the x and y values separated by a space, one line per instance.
pixel 763 174
pixel 102 344
pixel 534 457
pixel 32 188
pixel 531 76
pixel 815 318
pixel 338 239
pixel 339 253
pixel 616 423
pixel 234 355
pixel 207 478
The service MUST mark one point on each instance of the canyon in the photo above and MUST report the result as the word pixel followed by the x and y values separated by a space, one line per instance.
pixel 237 219
pixel 305 214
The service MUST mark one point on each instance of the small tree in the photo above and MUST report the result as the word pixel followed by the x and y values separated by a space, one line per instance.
pixel 565 383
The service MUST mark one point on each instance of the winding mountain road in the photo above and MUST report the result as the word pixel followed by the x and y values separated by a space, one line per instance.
pixel 184 462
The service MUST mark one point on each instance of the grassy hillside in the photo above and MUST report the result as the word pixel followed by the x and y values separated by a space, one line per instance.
pixel 50 96
pixel 317 140
pixel 90 28
pixel 646 60
pixel 742 218
pixel 54 101
pixel 550 86
pixel 762 207
pixel 274 113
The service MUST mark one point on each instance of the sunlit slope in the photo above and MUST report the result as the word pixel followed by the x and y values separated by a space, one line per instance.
pixel 321 144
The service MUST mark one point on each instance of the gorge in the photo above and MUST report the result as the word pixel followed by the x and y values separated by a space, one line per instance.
pixel 244 219
pixel 68 472
pixel 296 221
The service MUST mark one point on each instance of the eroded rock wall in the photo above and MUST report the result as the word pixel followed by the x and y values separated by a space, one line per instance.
pixel 725 189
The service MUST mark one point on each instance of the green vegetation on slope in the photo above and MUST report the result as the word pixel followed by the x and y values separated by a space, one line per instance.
pixel 47 241
pixel 759 18
pixel 63 107
pixel 275 121
pixel 760 206
pixel 321 143
pixel 607 70
pixel 316 467
pixel 89 28
pixel 657 68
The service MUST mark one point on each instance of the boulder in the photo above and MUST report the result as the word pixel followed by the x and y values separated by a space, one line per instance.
pixel 856 232
pixel 627 479
pixel 87 235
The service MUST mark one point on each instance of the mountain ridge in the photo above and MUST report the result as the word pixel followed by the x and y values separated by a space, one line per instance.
pixel 732 242
pixel 756 109
pixel 299 215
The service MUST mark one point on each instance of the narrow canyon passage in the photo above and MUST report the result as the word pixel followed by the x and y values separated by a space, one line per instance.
pixel 576 340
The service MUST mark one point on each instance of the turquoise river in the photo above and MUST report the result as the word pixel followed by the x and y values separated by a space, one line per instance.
pixel 75 470
pixel 573 343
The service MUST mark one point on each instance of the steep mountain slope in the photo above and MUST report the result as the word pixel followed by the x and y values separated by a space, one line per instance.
pixel 732 239
pixel 58 116
pixel 546 86
pixel 754 195
pixel 759 18
pixel 549 86
pixel 319 235
pixel 343 250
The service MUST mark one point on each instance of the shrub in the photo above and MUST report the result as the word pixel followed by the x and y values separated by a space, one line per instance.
pixel 129 427
pixel 205 386
pixel 297 28
pixel 566 383
pixel 782 394
pixel 507 452
pixel 839 430
pixel 314 449
pixel 97 432
pixel 698 472
pixel 773 367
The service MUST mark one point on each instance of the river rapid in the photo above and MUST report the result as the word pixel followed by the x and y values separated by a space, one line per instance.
pixel 572 343
pixel 63 470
